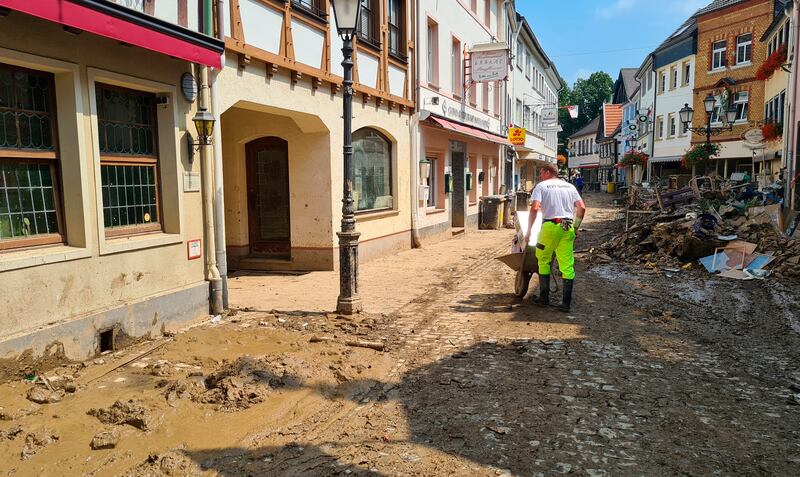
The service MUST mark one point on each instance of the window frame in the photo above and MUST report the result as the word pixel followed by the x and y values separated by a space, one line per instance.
pixel 432 181
pixel 687 73
pixel 374 37
pixel 673 73
pixel 457 68
pixel 390 159
pixel 315 11
pixel 747 47
pixel 433 53
pixel 52 158
pixel 107 159
pixel 746 106
pixel 719 52
pixel 401 29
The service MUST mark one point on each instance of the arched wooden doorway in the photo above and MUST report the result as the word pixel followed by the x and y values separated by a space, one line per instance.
pixel 268 198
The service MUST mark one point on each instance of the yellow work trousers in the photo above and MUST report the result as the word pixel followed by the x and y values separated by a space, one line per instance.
pixel 553 239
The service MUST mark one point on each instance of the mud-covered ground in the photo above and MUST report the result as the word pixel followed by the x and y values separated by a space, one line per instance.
pixel 653 373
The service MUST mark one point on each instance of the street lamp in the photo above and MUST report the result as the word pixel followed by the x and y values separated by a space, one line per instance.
pixel 709 104
pixel 347 14
pixel 204 123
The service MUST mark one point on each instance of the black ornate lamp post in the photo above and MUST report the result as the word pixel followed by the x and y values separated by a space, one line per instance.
pixel 709 104
pixel 347 14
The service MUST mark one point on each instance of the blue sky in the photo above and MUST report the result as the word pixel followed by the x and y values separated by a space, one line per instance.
pixel 584 36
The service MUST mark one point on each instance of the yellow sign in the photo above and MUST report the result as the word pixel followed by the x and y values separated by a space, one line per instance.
pixel 516 136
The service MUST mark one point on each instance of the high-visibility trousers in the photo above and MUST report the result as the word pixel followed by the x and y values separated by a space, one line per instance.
pixel 553 239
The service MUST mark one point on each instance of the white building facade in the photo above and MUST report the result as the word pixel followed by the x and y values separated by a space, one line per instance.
pixel 535 88
pixel 674 64
pixel 459 130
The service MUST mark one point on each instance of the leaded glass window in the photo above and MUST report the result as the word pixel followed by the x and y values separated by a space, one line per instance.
pixel 29 201
pixel 26 109
pixel 372 170
pixel 128 160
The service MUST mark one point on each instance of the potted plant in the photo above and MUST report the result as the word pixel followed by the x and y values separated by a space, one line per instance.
pixel 634 158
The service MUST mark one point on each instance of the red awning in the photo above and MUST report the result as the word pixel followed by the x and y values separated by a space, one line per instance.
pixel 470 131
pixel 127 25
pixel 589 166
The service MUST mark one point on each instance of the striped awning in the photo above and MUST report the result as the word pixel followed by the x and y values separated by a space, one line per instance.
pixel 665 159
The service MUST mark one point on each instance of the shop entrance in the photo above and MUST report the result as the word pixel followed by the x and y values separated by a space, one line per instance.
pixel 458 163
pixel 268 197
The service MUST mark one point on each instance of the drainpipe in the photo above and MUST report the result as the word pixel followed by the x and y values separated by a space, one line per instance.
pixel 509 114
pixel 206 157
pixel 219 191
pixel 414 133
pixel 789 124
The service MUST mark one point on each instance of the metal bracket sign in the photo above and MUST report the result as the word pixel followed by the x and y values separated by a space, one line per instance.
pixel 489 64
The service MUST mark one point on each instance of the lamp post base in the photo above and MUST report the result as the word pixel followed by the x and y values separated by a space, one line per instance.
pixel 349 302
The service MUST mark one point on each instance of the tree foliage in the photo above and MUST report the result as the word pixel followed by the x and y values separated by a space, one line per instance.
pixel 589 95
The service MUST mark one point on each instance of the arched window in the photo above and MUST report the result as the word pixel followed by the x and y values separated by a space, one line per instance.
pixel 372 170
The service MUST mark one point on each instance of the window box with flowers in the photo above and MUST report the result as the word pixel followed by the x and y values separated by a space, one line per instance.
pixel 772 131
pixel 634 158
pixel 772 63
pixel 699 154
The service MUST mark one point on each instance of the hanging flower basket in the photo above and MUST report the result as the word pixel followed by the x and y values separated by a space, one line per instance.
pixel 772 131
pixel 634 158
pixel 699 154
pixel 772 63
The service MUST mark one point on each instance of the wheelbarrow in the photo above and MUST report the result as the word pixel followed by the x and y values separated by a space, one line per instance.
pixel 524 261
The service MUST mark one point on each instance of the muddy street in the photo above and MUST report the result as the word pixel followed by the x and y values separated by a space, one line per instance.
pixel 653 372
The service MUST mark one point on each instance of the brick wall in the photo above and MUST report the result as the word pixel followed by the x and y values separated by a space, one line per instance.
pixel 753 17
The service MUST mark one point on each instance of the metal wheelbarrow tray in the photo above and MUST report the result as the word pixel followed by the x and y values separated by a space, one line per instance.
pixel 523 262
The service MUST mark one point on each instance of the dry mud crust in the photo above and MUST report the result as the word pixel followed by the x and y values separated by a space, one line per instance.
pixel 166 464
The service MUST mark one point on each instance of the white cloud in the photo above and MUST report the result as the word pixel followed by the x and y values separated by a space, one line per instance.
pixel 581 73
pixel 617 8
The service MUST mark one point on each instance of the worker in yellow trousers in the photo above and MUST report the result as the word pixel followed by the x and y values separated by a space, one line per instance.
pixel 563 211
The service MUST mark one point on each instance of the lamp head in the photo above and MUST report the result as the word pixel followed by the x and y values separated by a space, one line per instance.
pixel 204 123
pixel 347 13
pixel 730 115
pixel 710 103
pixel 686 113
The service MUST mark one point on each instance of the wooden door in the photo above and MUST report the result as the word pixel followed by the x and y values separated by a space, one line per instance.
pixel 268 197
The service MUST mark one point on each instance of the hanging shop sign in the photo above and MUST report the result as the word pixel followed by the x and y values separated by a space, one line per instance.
pixel 550 128
pixel 753 137
pixel 549 115
pixel 490 64
pixel 516 136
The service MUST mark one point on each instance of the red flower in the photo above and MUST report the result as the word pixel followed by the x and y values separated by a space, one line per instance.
pixel 772 63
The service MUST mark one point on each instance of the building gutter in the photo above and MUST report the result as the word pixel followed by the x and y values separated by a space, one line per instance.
pixel 219 183
pixel 789 124
pixel 414 133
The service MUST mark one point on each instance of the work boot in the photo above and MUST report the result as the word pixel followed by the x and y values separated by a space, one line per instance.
pixel 544 291
pixel 566 301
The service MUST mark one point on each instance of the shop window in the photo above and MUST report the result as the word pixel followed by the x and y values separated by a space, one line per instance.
pixel 397 28
pixel 368 23
pixel 29 196
pixel 128 160
pixel 744 48
pixel 431 181
pixel 372 170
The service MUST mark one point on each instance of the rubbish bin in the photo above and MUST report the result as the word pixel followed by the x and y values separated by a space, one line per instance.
pixel 612 187
pixel 491 212
pixel 522 201
pixel 507 219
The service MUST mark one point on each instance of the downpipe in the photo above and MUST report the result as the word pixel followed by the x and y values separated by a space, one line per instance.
pixel 212 272
pixel 219 190
pixel 414 132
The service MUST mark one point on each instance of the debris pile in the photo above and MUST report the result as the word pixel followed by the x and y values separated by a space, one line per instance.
pixel 166 464
pixel 735 230
pixel 130 412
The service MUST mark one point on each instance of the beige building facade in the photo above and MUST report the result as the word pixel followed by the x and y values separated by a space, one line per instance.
pixel 96 221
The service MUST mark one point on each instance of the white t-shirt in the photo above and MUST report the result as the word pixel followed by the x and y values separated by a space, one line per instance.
pixel 557 198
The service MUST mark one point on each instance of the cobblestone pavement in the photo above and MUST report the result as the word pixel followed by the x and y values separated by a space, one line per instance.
pixel 652 374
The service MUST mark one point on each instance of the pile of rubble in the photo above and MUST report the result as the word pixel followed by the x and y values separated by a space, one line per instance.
pixel 705 225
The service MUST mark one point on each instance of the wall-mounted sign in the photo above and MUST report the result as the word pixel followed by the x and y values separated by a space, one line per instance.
pixel 633 127
pixel 643 118
pixel 753 137
pixel 454 111
pixel 489 65
pixel 189 87
pixel 516 136
pixel 549 115
pixel 194 249
pixel 550 128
